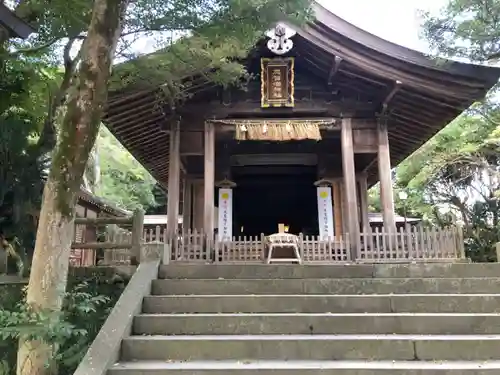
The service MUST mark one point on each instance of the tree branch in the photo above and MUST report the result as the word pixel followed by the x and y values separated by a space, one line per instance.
pixel 48 137
pixel 35 49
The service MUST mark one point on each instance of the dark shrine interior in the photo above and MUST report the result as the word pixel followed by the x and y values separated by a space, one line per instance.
pixel 275 182
pixel 266 196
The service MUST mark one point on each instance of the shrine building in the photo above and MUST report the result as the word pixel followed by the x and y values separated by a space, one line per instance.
pixel 331 111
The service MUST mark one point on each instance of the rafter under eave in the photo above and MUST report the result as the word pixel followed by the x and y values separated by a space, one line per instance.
pixel 385 104
pixel 335 68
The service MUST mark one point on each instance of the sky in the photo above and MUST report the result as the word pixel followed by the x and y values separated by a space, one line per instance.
pixel 394 20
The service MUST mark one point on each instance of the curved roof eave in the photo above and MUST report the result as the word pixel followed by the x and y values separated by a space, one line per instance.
pixel 14 25
pixel 489 75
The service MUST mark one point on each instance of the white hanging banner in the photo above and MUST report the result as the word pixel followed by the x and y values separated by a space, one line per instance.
pixel 325 212
pixel 225 214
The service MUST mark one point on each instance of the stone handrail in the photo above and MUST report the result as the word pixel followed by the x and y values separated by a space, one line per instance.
pixel 105 349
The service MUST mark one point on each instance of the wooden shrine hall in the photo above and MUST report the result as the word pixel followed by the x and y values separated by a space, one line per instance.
pixel 330 111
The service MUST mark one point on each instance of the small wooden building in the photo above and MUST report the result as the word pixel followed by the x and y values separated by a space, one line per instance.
pixel 332 109
pixel 376 220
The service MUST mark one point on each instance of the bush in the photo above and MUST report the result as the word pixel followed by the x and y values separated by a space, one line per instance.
pixel 86 306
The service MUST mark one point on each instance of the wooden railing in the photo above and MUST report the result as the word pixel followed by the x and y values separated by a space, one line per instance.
pixel 331 250
pixel 120 256
pixel 157 234
pixel 120 245
pixel 246 249
pixel 377 246
pixel 190 247
pixel 414 244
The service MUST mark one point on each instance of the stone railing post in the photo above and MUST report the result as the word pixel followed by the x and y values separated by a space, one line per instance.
pixel 137 233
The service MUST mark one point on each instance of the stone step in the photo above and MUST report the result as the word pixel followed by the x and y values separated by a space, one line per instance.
pixel 418 303
pixel 326 286
pixel 285 271
pixel 318 323
pixel 312 347
pixel 305 368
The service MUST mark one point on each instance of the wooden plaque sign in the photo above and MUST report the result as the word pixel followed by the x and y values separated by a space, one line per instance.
pixel 277 88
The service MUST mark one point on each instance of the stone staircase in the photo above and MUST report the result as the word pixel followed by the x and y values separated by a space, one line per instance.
pixel 433 319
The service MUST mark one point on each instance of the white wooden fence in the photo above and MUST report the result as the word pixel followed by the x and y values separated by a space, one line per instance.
pixel 332 250
pixel 190 247
pixel 414 244
pixel 240 249
pixel 377 246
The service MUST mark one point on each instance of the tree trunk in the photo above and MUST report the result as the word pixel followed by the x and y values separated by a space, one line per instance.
pixel 78 134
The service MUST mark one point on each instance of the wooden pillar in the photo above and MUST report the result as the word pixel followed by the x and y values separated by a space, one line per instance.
pixel 174 174
pixel 187 209
pixel 350 185
pixel 363 194
pixel 343 208
pixel 198 199
pixel 337 208
pixel 384 173
pixel 209 210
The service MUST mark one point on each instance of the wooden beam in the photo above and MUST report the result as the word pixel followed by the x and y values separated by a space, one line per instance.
pixel 363 201
pixel 141 116
pixel 312 63
pixel 335 68
pixel 364 141
pixel 181 165
pixel 159 159
pixel 94 221
pixel 209 189
pixel 416 105
pixel 138 104
pixel 187 207
pixel 343 209
pixel 173 194
pixel 100 245
pixel 411 118
pixel 388 98
pixel 348 167
pixel 318 108
pixel 370 165
pixel 138 140
pixel 198 203
pixel 139 127
pixel 384 171
pixel 439 102
pixel 147 142
pixel 337 208
pixel 149 152
pixel 361 77
pixel 191 143
pixel 120 96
